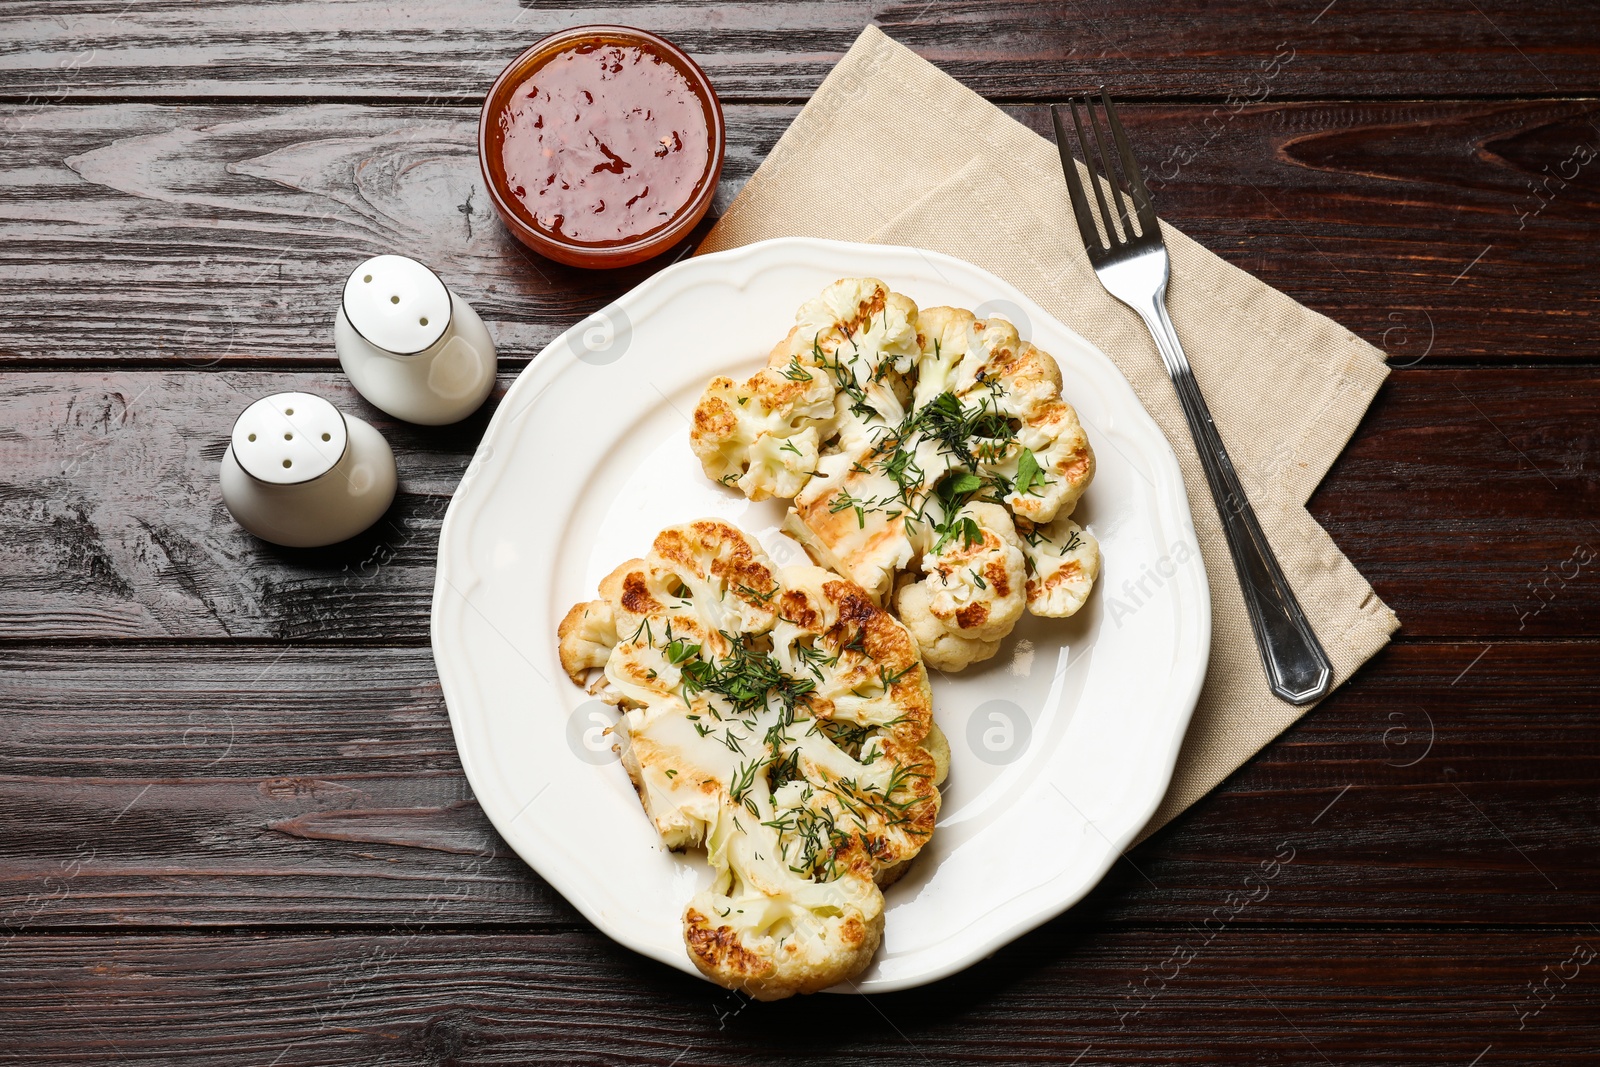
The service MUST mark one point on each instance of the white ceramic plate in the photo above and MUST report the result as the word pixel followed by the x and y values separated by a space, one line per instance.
pixel 1061 746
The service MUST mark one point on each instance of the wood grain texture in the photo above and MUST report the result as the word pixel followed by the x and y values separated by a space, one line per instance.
pixel 1033 49
pixel 1437 232
pixel 1066 991
pixel 121 530
pixel 118 529
pixel 230 228
pixel 203 786
pixel 1471 512
pixel 233 825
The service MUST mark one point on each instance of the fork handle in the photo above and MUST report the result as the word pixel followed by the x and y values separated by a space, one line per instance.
pixel 1298 670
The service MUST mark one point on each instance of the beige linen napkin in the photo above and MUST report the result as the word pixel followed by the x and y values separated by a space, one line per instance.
pixel 890 149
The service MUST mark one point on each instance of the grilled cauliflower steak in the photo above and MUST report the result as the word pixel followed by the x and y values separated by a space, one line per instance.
pixel 777 718
pixel 886 425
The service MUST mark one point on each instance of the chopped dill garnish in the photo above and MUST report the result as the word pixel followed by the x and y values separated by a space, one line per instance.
pixel 796 372
pixel 744 779
pixel 888 680
pixel 847 501
pixel 755 594
pixel 748 678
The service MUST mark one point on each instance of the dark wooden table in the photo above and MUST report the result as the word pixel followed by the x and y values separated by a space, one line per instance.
pixel 233 827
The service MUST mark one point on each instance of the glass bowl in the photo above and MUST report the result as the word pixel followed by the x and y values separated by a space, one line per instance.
pixel 549 242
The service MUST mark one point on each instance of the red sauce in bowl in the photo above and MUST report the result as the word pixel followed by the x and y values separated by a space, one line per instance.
pixel 601 146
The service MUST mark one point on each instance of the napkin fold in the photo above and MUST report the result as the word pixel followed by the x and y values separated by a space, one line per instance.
pixel 892 148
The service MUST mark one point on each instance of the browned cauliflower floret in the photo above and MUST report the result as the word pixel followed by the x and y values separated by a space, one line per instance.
pixel 974 589
pixel 865 337
pixel 1047 463
pixel 964 355
pixel 1061 456
pixel 975 579
pixel 941 649
pixel 762 930
pixel 835 523
pixel 1063 563
pixel 777 718
pixel 763 437
pixel 587 635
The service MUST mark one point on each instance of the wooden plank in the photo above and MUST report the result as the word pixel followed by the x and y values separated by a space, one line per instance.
pixel 232 233
pixel 1027 49
pixel 1066 992
pixel 215 786
pixel 222 786
pixel 121 531
pixel 1445 783
pixel 1435 231
pixel 1464 498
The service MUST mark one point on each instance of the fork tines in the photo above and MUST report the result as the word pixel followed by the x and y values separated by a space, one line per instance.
pixel 1104 240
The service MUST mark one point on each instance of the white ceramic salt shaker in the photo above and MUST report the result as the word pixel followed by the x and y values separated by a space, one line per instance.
pixel 299 472
pixel 410 345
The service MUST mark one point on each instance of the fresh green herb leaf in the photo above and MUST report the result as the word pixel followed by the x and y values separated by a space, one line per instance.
pixel 1030 475
pixel 966 484
pixel 964 527
pixel 679 651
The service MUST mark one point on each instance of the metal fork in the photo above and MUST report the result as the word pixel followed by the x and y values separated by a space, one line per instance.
pixel 1133 266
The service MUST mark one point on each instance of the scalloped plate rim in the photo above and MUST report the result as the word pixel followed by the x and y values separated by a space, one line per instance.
pixel 457 577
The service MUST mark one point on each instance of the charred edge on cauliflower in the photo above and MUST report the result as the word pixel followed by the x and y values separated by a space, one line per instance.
pixel 751 679
pixel 974 416
pixel 967 436
pixel 804 773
